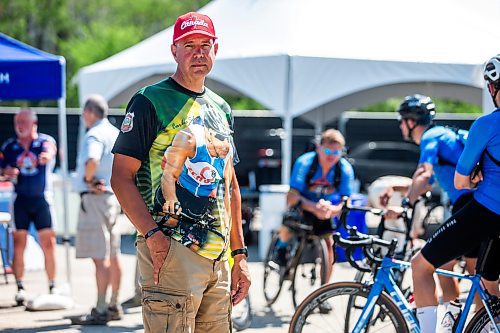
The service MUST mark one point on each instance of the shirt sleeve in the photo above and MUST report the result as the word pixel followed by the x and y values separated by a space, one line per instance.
pixel 428 151
pixel 138 130
pixel 299 174
pixel 230 120
pixel 346 178
pixel 95 148
pixel 477 140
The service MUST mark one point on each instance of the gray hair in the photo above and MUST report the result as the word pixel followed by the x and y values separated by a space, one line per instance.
pixel 30 112
pixel 98 105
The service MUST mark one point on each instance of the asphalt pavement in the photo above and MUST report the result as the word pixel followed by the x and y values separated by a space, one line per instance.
pixel 83 292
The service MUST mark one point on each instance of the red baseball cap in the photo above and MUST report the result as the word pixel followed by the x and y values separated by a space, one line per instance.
pixel 193 23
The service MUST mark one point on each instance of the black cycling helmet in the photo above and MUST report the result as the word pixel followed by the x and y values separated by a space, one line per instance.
pixel 418 107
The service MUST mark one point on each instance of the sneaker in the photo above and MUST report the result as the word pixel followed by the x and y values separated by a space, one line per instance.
pixel 20 297
pixel 325 308
pixel 93 318
pixel 132 302
pixel 115 312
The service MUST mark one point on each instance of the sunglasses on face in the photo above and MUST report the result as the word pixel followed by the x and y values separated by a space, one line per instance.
pixel 332 152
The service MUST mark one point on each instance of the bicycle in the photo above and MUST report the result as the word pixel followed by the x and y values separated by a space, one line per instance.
pixel 241 315
pixel 306 262
pixel 380 305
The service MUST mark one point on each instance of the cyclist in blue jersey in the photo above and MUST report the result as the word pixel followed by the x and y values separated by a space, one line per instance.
pixel 478 221
pixel 319 180
pixel 440 149
pixel 28 159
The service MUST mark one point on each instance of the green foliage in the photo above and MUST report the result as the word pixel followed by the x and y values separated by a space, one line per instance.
pixel 243 103
pixel 443 105
pixel 87 31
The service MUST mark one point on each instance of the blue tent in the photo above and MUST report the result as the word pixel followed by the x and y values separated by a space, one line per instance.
pixel 27 73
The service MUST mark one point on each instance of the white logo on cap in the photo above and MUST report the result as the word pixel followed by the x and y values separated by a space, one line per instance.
pixel 186 24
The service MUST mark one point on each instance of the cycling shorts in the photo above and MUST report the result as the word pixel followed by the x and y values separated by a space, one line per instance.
pixel 31 209
pixel 471 227
pixel 320 227
pixel 459 204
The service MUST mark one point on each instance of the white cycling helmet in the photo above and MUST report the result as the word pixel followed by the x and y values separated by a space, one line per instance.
pixel 492 70
pixel 491 74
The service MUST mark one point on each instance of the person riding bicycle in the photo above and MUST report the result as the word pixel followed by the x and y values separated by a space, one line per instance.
pixel 319 180
pixel 478 221
pixel 440 149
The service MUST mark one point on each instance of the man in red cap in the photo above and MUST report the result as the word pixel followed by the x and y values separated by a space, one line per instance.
pixel 183 246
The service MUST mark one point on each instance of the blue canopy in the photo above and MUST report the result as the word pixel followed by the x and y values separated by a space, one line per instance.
pixel 27 73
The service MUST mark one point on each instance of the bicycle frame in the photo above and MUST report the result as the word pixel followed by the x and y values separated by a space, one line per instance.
pixel 384 281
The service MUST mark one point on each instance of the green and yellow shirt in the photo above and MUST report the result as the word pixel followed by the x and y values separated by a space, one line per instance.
pixel 153 117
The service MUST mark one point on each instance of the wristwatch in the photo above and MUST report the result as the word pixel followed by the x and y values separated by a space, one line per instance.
pixel 405 203
pixel 243 250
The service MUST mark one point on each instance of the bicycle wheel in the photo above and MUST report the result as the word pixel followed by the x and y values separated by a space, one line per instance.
pixel 242 315
pixel 433 219
pixel 481 321
pixel 386 316
pixel 310 273
pixel 273 273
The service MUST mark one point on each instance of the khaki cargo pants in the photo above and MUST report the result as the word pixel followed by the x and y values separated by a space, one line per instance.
pixel 193 293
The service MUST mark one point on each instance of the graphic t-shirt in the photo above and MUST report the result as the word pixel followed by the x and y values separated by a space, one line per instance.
pixel 33 177
pixel 153 117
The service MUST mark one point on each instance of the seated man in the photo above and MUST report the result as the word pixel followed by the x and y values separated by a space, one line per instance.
pixel 319 180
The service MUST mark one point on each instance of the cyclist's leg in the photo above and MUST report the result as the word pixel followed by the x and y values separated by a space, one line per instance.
pixel 489 265
pixel 324 229
pixel 449 285
pixel 450 241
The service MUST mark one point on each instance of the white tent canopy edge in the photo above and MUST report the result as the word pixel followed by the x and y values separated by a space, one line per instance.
pixel 318 58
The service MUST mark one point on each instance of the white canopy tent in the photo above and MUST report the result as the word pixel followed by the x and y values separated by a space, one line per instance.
pixel 317 58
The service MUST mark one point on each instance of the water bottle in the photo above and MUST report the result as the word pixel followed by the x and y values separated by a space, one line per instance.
pixel 451 316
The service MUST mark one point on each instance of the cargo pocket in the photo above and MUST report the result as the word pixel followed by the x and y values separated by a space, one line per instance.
pixel 167 311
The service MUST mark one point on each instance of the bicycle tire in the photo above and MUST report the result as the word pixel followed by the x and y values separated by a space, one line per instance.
pixel 307 319
pixel 305 274
pixel 273 277
pixel 479 323
pixel 242 318
pixel 433 219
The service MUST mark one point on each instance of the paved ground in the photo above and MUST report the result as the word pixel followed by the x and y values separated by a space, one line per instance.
pixel 17 319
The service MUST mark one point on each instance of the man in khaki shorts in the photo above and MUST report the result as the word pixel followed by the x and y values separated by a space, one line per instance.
pixel 96 235
pixel 173 175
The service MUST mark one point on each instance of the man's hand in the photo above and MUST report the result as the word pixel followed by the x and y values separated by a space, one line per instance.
pixel 325 210
pixel 393 212
pixel 172 207
pixel 11 172
pixel 240 279
pixel 476 177
pixel 158 245
pixel 97 186
pixel 385 196
pixel 44 157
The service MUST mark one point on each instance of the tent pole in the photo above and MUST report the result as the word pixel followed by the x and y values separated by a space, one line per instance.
pixel 286 140
pixel 63 156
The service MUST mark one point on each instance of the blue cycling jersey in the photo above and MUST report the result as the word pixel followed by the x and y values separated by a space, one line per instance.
pixel 484 134
pixel 321 186
pixel 441 142
pixel 201 174
pixel 32 179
